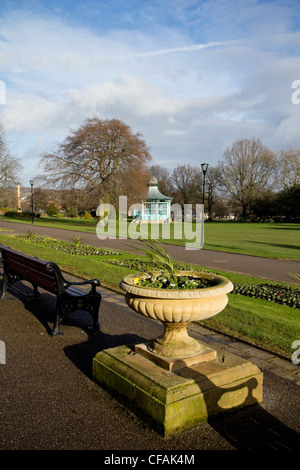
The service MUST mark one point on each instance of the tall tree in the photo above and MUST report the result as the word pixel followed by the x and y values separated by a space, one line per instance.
pixel 10 166
pixel 246 169
pixel 288 201
pixel 90 156
pixel 163 177
pixel 289 168
pixel 187 181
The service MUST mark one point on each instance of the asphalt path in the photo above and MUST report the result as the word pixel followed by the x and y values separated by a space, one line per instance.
pixel 271 269
pixel 49 400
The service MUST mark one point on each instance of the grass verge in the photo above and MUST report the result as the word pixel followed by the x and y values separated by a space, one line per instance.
pixel 267 325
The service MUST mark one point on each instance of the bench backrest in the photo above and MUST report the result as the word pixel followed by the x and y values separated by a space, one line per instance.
pixel 34 270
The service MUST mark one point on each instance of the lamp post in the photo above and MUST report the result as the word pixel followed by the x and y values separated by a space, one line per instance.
pixel 204 167
pixel 19 198
pixel 31 184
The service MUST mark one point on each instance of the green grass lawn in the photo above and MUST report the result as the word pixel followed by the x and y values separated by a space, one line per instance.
pixel 270 240
pixel 80 225
pixel 258 239
pixel 265 324
pixel 261 322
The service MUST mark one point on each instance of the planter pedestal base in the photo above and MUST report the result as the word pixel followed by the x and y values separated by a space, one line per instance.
pixel 176 343
pixel 171 363
pixel 174 400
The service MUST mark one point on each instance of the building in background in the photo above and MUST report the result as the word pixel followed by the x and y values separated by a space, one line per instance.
pixel 156 207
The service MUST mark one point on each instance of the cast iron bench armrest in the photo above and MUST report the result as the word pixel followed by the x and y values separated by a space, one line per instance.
pixel 94 283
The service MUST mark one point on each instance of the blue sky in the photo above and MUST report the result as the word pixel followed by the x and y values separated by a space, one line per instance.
pixel 191 76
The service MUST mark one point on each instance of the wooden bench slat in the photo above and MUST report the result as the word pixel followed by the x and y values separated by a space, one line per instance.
pixel 44 283
pixel 32 270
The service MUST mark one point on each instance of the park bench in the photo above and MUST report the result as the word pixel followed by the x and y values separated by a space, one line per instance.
pixel 48 276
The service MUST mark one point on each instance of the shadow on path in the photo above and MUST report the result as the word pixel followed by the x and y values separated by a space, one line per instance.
pixel 247 426
pixel 255 428
pixel 43 307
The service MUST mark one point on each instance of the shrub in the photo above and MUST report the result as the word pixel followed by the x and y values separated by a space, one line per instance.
pixel 52 210
pixel 19 215
pixel 71 212
pixel 87 215
pixel 10 214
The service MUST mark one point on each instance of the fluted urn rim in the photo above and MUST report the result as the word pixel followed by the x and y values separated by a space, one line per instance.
pixel 222 286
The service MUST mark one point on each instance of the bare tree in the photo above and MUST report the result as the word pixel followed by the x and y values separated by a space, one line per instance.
pixel 10 166
pixel 187 181
pixel 288 168
pixel 91 155
pixel 163 177
pixel 246 169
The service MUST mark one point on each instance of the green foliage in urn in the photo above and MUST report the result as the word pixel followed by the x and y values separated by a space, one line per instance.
pixel 169 277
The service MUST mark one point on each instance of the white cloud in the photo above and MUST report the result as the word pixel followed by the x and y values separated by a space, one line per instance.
pixel 191 48
pixel 190 98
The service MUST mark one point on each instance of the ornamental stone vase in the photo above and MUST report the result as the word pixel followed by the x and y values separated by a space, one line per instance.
pixel 176 308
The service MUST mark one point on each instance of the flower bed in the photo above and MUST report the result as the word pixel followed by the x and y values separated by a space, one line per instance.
pixel 276 293
pixel 71 248
pixel 145 266
pixel 284 295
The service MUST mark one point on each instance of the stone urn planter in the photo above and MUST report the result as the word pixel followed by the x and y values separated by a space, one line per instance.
pixel 176 308
pixel 175 380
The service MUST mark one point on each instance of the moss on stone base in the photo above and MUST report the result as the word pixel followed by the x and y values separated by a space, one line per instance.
pixel 179 400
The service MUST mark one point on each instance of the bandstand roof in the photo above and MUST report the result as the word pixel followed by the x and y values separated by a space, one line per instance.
pixel 153 192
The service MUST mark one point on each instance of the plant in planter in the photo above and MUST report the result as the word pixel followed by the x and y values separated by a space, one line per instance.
pixel 175 298
pixel 169 277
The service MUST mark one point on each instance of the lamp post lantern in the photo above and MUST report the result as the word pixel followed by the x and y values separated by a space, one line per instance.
pixel 204 167
pixel 31 184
